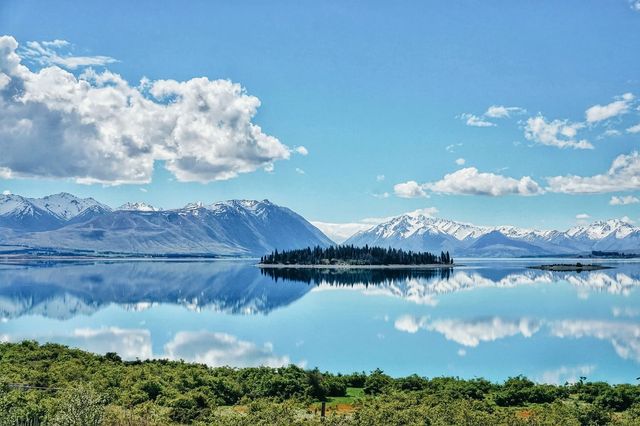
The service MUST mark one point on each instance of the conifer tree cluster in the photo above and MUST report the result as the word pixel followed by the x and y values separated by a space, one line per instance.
pixel 352 255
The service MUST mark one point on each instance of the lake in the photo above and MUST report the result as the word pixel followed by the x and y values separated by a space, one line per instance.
pixel 489 318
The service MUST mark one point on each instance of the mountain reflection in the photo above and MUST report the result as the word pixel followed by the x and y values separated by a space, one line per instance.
pixel 63 290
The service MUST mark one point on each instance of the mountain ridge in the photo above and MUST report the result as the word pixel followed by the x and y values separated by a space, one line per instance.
pixel 226 228
pixel 417 231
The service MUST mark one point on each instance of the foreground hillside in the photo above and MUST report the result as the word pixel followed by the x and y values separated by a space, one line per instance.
pixel 66 223
pixel 51 384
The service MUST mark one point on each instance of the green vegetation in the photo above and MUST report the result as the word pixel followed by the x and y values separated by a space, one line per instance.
pixel 53 385
pixel 351 255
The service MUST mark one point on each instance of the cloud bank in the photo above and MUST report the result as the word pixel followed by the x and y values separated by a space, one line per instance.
pixel 96 128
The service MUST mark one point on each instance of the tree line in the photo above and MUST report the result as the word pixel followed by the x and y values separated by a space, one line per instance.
pixel 352 255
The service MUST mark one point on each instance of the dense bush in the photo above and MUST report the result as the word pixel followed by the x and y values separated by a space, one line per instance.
pixel 54 385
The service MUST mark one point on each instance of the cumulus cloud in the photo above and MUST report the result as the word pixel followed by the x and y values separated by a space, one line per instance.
pixel 603 112
pixel 634 129
pixel 460 161
pixel 558 133
pixel 623 175
pixel 301 150
pixel 54 53
pixel 221 349
pixel 623 200
pixel 96 128
pixel 379 178
pixel 500 111
pixel 476 121
pixel 469 181
pixel 410 189
pixel 635 5
pixel 6 192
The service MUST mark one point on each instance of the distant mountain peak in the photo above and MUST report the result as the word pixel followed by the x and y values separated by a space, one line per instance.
pixel 138 206
pixel 420 231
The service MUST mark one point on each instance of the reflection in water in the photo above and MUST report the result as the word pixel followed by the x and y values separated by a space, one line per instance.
pixel 351 276
pixel 65 290
pixel 500 319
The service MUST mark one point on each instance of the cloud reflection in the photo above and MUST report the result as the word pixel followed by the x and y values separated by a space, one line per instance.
pixel 470 333
pixel 220 349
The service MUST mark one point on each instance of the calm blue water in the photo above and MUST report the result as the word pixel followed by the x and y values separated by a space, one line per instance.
pixel 491 318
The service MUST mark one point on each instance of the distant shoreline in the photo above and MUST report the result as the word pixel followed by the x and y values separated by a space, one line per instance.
pixel 345 266
pixel 569 267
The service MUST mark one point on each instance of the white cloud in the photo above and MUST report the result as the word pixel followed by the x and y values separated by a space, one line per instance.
pixel 469 181
pixel 301 150
pixel 52 53
pixel 610 133
pixel 410 189
pixel 582 218
pixel 603 112
pixel 634 129
pixel 628 220
pixel 635 5
pixel 460 161
pixel 558 133
pixel 144 190
pixel 299 171
pixel 476 121
pixel 566 374
pixel 499 111
pixel 452 147
pixel 220 349
pixel 623 200
pixel 6 192
pixel 381 195
pixel 380 178
pixel 97 128
pixel 623 175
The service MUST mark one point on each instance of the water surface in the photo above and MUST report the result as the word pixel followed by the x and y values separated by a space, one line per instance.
pixel 493 319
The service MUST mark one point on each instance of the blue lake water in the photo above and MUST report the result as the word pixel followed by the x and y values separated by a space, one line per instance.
pixel 493 319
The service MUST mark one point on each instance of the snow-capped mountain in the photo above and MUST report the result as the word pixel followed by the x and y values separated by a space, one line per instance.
pixel 415 231
pixel 50 212
pixel 138 206
pixel 236 227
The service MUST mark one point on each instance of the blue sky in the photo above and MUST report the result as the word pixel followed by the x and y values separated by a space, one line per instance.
pixel 387 100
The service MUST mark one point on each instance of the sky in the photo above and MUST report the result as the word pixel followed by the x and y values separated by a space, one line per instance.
pixel 489 112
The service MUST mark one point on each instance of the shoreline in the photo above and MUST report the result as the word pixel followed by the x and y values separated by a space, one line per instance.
pixel 344 266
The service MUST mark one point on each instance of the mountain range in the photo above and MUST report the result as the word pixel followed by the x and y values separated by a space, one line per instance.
pixel 64 222
pixel 420 232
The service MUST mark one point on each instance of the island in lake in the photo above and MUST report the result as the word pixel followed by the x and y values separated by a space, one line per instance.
pixel 348 256
pixel 564 267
